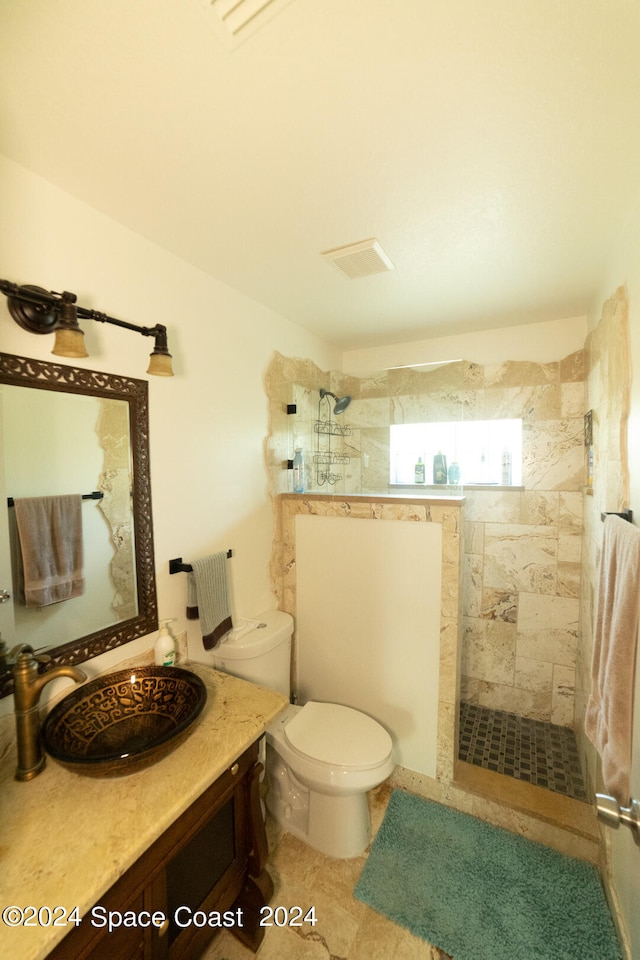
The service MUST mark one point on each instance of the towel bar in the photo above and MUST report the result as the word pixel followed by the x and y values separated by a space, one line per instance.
pixel 94 495
pixel 624 514
pixel 177 566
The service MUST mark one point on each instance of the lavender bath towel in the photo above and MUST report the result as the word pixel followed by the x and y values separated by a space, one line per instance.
pixel 609 716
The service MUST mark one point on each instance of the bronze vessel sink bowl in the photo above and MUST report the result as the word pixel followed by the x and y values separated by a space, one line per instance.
pixel 123 722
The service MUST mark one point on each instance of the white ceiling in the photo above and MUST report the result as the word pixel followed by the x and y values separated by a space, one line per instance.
pixel 491 146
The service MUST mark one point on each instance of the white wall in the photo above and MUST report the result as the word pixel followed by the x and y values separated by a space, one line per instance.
pixel 368 597
pixel 624 269
pixel 536 342
pixel 208 423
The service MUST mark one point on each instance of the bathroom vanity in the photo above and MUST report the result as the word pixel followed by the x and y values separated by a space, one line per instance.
pixel 171 855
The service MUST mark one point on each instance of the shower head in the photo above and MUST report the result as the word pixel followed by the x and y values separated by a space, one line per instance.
pixel 341 403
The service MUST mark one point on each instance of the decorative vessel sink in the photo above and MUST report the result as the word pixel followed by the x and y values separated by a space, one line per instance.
pixel 122 722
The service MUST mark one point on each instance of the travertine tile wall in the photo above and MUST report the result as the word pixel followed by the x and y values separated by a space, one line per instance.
pixel 608 379
pixel 522 546
pixel 523 549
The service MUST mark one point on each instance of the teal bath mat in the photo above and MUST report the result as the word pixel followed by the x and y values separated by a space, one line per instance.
pixel 479 892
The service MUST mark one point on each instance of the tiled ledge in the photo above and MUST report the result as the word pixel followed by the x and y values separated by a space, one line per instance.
pixel 501 488
pixel 572 815
pixel 416 497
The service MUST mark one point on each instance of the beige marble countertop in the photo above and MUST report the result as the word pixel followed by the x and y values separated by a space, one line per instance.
pixel 65 839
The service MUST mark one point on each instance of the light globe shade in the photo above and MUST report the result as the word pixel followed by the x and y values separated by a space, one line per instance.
pixel 69 343
pixel 160 365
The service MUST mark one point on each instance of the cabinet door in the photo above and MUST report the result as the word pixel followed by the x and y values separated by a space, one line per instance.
pixel 127 942
pixel 204 879
pixel 200 864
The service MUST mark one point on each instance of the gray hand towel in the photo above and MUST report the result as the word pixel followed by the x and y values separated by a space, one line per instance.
pixel 208 597
pixel 50 535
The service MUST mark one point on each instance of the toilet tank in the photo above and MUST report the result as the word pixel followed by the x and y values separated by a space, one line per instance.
pixel 259 650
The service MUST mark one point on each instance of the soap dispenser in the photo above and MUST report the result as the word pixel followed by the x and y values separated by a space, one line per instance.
pixel 165 650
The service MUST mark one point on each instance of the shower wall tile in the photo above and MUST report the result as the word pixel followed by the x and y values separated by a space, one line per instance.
pixel 573 367
pixel 432 380
pixel 499 605
pixel 473 536
pixel 469 689
pixel 520 557
pixel 393 511
pixel 512 699
pixel 563 696
pixel 539 508
pixel 472 584
pixel 374 446
pixel 449 674
pixel 373 385
pixel 569 548
pixel 518 373
pixel 494 505
pixel 448 725
pixel 368 412
pixel 548 628
pixel 572 400
pixel 554 458
pixel 535 675
pixel 535 402
pixel 569 579
pixel 571 505
pixel 426 408
pixel 451 592
pixel 489 650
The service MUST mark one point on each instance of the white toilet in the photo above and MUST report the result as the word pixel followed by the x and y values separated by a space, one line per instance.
pixel 322 758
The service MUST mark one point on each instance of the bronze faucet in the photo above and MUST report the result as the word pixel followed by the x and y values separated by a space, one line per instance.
pixel 28 686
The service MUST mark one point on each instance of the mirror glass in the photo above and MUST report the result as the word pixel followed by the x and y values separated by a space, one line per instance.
pixel 65 430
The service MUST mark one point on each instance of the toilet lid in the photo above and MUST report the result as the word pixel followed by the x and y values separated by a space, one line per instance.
pixel 340 735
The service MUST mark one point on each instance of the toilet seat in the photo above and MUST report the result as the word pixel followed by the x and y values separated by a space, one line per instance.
pixel 341 736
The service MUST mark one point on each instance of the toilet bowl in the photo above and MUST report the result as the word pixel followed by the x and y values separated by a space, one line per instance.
pixel 321 758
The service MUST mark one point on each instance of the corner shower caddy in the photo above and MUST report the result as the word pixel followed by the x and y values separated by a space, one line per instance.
pixel 324 456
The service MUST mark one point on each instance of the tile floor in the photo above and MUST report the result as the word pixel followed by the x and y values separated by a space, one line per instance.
pixel 534 754
pixel 345 929
pixel 543 754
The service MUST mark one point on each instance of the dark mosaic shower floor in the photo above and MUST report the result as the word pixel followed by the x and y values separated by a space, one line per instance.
pixel 543 754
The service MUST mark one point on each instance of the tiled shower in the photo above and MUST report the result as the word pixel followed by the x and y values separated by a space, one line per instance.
pixel 531 751
pixel 521 545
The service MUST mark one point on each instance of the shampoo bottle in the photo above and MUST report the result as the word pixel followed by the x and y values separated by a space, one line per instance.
pixel 419 471
pixel 298 471
pixel 165 647
pixel 454 473
pixel 440 468
pixel 506 467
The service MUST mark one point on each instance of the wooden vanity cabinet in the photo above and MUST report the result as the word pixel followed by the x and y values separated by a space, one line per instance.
pixel 210 861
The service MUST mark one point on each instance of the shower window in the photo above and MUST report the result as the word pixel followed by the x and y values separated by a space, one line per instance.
pixel 485 451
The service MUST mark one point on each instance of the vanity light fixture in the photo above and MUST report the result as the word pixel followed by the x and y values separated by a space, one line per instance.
pixel 41 311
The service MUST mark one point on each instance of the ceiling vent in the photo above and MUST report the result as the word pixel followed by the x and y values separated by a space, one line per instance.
pixel 360 259
pixel 238 19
